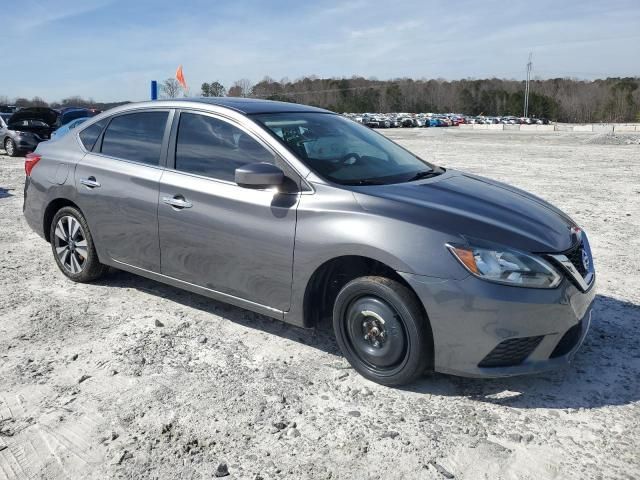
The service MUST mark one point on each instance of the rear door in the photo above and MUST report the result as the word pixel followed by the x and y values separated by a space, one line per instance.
pixel 117 184
pixel 214 233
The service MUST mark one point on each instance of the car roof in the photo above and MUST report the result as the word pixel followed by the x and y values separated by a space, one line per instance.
pixel 72 109
pixel 250 106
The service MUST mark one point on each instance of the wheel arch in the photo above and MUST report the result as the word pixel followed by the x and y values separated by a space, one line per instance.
pixel 329 278
pixel 51 210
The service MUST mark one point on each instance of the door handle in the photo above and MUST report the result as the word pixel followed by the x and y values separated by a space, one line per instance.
pixel 177 202
pixel 90 182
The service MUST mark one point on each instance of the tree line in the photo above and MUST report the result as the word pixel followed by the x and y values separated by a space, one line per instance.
pixel 612 99
pixel 560 99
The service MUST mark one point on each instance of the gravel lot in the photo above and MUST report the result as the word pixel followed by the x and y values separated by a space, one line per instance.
pixel 128 378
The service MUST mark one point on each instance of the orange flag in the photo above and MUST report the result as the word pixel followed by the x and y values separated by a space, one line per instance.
pixel 180 77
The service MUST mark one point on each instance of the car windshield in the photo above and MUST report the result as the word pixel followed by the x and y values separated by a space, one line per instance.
pixel 343 151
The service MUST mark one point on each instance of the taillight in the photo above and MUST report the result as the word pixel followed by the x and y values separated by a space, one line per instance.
pixel 30 161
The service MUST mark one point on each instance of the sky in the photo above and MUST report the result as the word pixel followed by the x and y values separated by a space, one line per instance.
pixel 110 50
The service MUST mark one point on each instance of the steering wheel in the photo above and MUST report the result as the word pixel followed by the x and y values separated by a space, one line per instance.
pixel 349 158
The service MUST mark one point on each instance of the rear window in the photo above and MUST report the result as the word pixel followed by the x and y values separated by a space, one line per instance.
pixel 136 137
pixel 72 115
pixel 89 135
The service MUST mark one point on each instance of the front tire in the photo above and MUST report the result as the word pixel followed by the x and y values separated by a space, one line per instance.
pixel 10 148
pixel 73 247
pixel 382 330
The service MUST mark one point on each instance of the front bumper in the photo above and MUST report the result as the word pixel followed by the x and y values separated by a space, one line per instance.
pixel 472 319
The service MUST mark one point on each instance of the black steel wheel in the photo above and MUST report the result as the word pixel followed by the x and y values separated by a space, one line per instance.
pixel 382 330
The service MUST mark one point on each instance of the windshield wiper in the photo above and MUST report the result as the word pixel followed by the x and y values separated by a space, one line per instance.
pixel 424 174
pixel 366 181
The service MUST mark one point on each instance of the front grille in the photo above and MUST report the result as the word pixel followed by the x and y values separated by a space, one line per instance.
pixel 575 257
pixel 568 341
pixel 511 352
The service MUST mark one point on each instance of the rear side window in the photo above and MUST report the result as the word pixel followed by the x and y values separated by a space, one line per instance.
pixel 214 148
pixel 89 135
pixel 136 137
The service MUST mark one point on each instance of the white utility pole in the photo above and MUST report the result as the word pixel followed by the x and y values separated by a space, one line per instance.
pixel 526 89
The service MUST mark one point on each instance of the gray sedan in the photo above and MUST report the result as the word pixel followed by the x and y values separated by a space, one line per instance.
pixel 23 130
pixel 303 215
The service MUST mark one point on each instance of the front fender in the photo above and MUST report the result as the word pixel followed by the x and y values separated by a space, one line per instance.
pixel 332 224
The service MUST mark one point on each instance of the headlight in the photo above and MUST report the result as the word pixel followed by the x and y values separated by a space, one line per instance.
pixel 510 267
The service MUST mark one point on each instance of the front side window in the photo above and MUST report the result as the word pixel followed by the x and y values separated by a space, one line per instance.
pixel 136 137
pixel 344 151
pixel 213 148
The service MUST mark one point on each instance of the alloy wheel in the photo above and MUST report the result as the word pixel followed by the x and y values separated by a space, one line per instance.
pixel 71 244
pixel 9 147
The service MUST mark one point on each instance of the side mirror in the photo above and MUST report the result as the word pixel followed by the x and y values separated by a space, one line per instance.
pixel 259 175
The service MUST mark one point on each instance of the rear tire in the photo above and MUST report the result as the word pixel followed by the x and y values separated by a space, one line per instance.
pixel 73 248
pixel 382 330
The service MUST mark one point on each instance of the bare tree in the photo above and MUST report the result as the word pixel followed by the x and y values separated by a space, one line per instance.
pixel 241 88
pixel 38 102
pixel 235 91
pixel 76 101
pixel 170 88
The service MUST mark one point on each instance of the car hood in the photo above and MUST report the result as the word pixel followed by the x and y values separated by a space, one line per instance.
pixel 46 115
pixel 470 206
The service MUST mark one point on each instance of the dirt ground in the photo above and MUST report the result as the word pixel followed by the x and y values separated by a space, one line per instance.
pixel 128 378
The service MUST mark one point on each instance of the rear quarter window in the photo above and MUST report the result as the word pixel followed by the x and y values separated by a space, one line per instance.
pixel 89 135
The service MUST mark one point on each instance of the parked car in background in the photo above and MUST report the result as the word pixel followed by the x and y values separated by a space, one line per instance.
pixel 408 122
pixel 303 215
pixel 26 128
pixel 68 114
pixel 8 108
pixel 68 126
pixel 4 117
pixel 377 122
